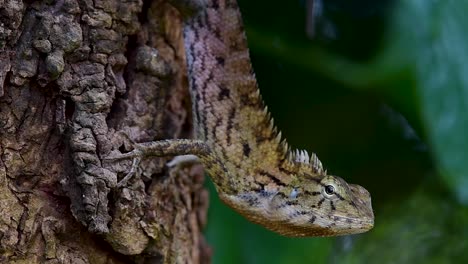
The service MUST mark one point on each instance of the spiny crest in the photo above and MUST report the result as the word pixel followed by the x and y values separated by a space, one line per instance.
pixel 271 126
pixel 303 157
pixel 284 146
pixel 316 163
pixel 297 156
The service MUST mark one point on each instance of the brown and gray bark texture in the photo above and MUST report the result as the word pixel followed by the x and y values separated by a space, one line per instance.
pixel 76 76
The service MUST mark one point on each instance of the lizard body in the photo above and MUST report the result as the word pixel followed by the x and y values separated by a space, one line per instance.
pixel 253 169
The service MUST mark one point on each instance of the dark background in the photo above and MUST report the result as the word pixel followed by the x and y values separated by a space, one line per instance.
pixel 380 94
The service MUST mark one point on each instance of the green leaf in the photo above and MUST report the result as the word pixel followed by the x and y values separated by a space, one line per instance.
pixel 442 73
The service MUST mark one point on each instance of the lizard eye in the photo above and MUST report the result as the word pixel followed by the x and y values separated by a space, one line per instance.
pixel 329 190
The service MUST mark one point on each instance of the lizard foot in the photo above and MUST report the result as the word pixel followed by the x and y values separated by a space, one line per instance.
pixel 162 148
pixel 136 154
pixel 133 169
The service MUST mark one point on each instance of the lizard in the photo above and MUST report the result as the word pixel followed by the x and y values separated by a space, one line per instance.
pixel 253 169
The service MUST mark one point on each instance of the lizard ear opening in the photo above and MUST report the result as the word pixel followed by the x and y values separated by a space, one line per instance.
pixel 294 193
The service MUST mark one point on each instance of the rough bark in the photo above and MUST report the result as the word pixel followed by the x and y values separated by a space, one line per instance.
pixel 75 77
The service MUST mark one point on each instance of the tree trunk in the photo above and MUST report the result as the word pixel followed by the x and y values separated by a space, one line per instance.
pixel 78 79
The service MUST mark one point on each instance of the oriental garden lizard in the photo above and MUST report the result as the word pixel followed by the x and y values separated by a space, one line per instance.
pixel 252 167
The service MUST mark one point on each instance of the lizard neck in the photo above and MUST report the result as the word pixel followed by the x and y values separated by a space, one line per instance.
pixel 229 114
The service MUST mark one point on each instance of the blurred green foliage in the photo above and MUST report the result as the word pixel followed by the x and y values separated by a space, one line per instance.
pixel 381 95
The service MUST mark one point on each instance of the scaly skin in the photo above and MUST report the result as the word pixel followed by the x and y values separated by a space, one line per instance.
pixel 254 171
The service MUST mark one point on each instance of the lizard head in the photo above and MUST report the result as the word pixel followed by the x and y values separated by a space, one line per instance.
pixel 333 206
pixel 318 205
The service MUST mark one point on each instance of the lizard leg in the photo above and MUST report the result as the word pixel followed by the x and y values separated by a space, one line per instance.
pixel 162 148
